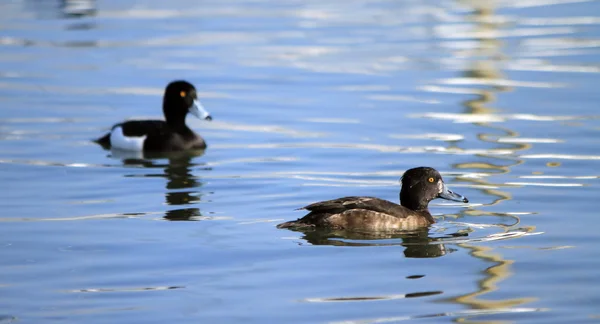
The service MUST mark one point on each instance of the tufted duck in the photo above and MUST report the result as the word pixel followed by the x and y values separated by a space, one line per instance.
pixel 173 134
pixel 419 187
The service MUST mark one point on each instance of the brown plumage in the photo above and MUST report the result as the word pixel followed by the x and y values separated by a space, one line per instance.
pixel 419 187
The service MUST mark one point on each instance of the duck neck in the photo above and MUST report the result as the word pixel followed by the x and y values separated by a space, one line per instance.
pixel 413 204
pixel 178 124
pixel 176 121
pixel 417 206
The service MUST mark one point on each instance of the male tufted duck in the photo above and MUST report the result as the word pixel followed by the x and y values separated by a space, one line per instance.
pixel 173 134
pixel 419 187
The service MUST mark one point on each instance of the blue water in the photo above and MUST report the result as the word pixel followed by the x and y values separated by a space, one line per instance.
pixel 311 100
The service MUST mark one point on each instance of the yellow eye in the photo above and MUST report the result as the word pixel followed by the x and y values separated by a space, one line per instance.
pixel 182 93
pixel 431 179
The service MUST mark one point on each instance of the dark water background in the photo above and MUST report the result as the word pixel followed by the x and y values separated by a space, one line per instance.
pixel 311 100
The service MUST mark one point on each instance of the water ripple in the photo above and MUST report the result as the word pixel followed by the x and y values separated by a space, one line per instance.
pixel 134 289
pixel 468 312
pixel 371 298
pixel 495 118
pixel 560 156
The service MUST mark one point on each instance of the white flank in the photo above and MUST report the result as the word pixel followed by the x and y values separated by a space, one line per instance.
pixel 120 141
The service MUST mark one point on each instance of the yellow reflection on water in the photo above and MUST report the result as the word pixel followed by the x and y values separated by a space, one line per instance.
pixel 484 70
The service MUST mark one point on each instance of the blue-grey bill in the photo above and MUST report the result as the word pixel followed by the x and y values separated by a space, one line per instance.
pixel 198 110
pixel 450 195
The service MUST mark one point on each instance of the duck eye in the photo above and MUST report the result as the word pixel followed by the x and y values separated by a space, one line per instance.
pixel 431 180
pixel 182 94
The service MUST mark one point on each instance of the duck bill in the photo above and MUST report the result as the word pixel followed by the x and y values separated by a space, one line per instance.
pixel 198 110
pixel 450 195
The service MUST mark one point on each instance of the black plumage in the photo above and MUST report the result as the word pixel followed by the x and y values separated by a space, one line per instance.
pixel 172 134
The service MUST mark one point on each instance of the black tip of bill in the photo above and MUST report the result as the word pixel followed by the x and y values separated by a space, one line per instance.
pixel 450 195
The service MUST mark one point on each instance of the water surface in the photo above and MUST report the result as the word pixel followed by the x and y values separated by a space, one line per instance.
pixel 311 100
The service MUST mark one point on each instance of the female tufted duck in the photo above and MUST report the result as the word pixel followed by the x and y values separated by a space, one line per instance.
pixel 173 134
pixel 419 187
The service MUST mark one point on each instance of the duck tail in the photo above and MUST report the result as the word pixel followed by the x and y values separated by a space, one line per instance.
pixel 294 224
pixel 104 141
pixel 287 224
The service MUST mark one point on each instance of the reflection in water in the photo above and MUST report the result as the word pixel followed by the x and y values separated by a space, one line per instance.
pixel 61 8
pixel 132 289
pixel 181 185
pixel 78 8
pixel 372 298
pixel 7 319
pixel 418 244
pixel 462 314
pixel 217 41
pixel 494 274
pixel 179 174
pixel 484 71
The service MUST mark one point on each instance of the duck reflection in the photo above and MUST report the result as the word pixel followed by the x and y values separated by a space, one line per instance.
pixel 417 244
pixel 78 8
pixel 181 187
pixel 60 8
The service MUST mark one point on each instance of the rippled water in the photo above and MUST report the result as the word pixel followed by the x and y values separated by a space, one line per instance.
pixel 311 100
